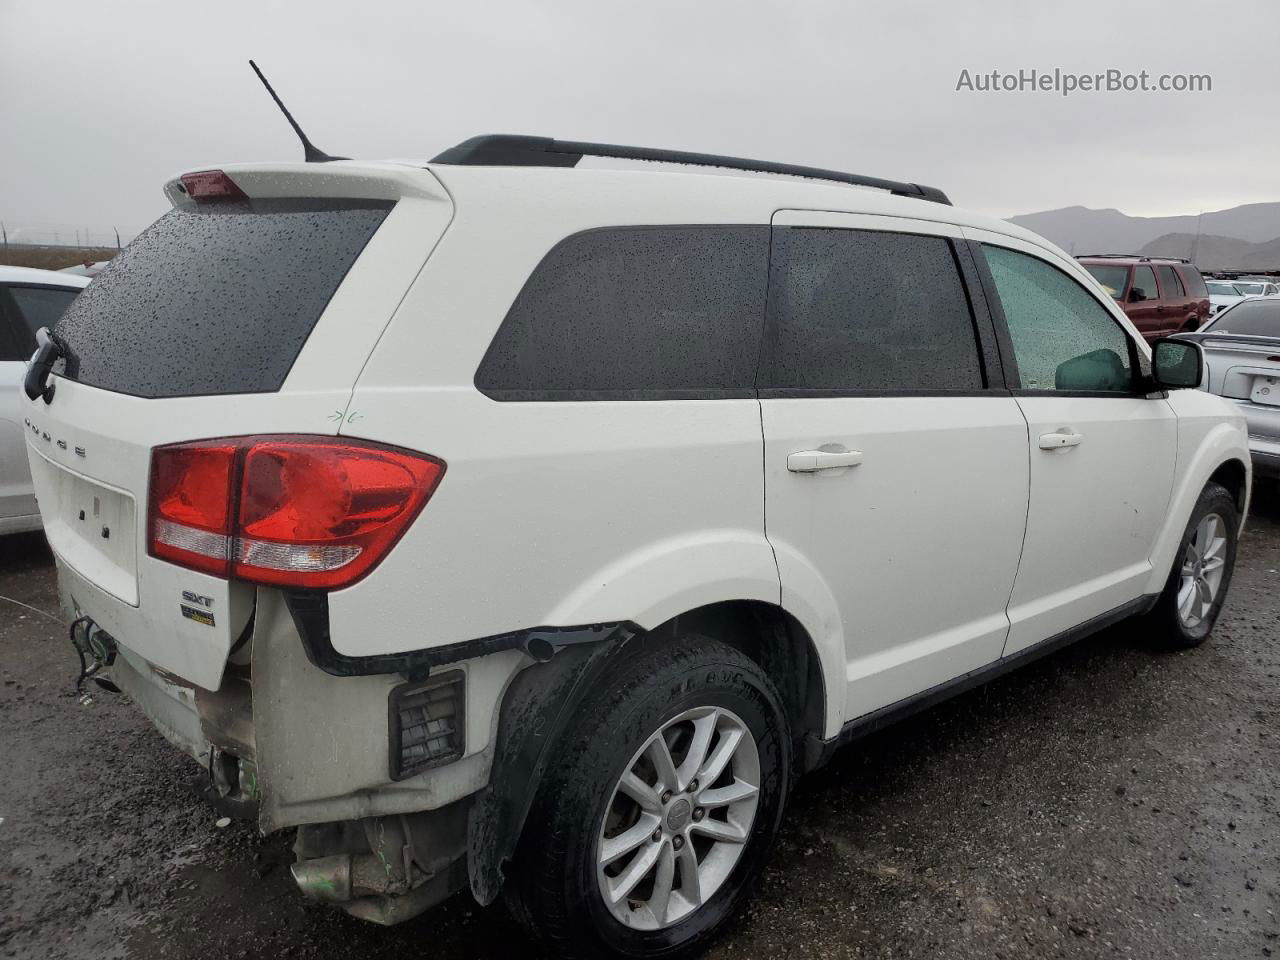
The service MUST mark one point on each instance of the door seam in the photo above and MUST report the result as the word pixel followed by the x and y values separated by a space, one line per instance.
pixel 1026 526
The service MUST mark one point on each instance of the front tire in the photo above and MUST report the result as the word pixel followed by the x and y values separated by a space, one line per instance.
pixel 655 820
pixel 1188 608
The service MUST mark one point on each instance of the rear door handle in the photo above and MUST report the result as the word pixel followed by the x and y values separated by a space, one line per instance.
pixel 1056 441
pixel 813 461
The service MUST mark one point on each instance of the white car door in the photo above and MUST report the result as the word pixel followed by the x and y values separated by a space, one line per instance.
pixel 895 466
pixel 1102 450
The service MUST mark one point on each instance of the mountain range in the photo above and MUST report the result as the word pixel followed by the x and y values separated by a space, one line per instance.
pixel 1245 237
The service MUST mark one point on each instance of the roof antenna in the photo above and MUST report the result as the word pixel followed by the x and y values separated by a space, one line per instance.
pixel 311 153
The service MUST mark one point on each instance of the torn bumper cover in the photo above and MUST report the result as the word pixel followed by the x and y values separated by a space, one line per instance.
pixel 214 728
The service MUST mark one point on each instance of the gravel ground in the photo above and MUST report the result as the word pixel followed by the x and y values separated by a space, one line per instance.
pixel 1107 801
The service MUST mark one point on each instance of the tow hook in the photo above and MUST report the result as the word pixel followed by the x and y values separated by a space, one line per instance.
pixel 97 650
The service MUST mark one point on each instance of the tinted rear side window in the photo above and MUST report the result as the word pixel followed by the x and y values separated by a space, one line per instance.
pixel 1169 281
pixel 1193 281
pixel 868 311
pixel 636 313
pixel 215 299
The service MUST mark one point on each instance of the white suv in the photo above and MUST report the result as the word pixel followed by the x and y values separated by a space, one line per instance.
pixel 507 526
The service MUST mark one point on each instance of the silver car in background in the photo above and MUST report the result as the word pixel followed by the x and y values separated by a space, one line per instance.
pixel 1242 363
pixel 29 299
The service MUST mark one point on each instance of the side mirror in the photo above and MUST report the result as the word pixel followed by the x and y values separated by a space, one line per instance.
pixel 1136 295
pixel 1176 364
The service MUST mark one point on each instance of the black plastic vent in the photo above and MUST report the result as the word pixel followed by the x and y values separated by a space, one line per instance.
pixel 427 727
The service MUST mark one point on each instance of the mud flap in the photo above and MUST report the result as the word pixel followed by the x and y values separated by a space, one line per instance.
pixel 539 705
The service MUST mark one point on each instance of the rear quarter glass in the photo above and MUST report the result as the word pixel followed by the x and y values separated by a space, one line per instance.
pixel 216 298
pixel 652 312
pixel 1192 280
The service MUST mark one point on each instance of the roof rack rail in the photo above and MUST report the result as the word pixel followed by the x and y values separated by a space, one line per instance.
pixel 507 150
pixel 1127 256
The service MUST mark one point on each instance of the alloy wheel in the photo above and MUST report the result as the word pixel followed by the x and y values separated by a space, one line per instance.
pixel 678 818
pixel 1203 565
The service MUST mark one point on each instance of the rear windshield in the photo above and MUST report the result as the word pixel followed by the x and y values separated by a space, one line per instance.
pixel 215 299
pixel 1250 318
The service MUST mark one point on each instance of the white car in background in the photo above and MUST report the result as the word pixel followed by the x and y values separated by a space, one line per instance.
pixel 1222 294
pixel 1257 288
pixel 29 299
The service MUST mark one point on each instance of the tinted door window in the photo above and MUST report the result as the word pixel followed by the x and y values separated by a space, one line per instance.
pixel 13 332
pixel 636 313
pixel 23 311
pixel 1063 338
pixel 217 298
pixel 40 306
pixel 1144 285
pixel 1169 281
pixel 863 310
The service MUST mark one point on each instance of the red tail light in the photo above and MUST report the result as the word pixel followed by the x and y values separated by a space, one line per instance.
pixel 291 510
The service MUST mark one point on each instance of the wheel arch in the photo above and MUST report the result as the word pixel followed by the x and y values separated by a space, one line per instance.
pixel 775 639
pixel 1220 456
pixel 543 699
pixel 1234 476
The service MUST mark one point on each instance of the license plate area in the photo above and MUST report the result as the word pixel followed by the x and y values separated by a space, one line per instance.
pixel 1266 390
pixel 91 526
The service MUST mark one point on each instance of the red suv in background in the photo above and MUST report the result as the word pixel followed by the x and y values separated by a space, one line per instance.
pixel 1161 296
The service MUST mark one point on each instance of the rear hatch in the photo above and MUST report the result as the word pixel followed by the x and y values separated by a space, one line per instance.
pixel 246 310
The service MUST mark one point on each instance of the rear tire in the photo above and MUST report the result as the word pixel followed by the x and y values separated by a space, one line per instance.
pixel 693 850
pixel 1192 598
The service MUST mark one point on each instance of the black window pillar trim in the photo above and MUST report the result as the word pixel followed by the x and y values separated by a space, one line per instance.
pixel 995 313
pixel 988 329
pixel 310 612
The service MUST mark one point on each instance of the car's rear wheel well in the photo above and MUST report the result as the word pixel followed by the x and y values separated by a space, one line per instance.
pixel 772 638
pixel 1231 475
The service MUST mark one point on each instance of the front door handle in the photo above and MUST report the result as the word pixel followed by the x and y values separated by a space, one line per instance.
pixel 1056 441
pixel 812 461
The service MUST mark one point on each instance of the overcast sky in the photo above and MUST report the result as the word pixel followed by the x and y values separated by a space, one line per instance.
pixel 100 102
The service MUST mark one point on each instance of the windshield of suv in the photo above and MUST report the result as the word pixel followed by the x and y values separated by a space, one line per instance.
pixel 1221 289
pixel 1249 318
pixel 1111 277
pixel 1249 289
